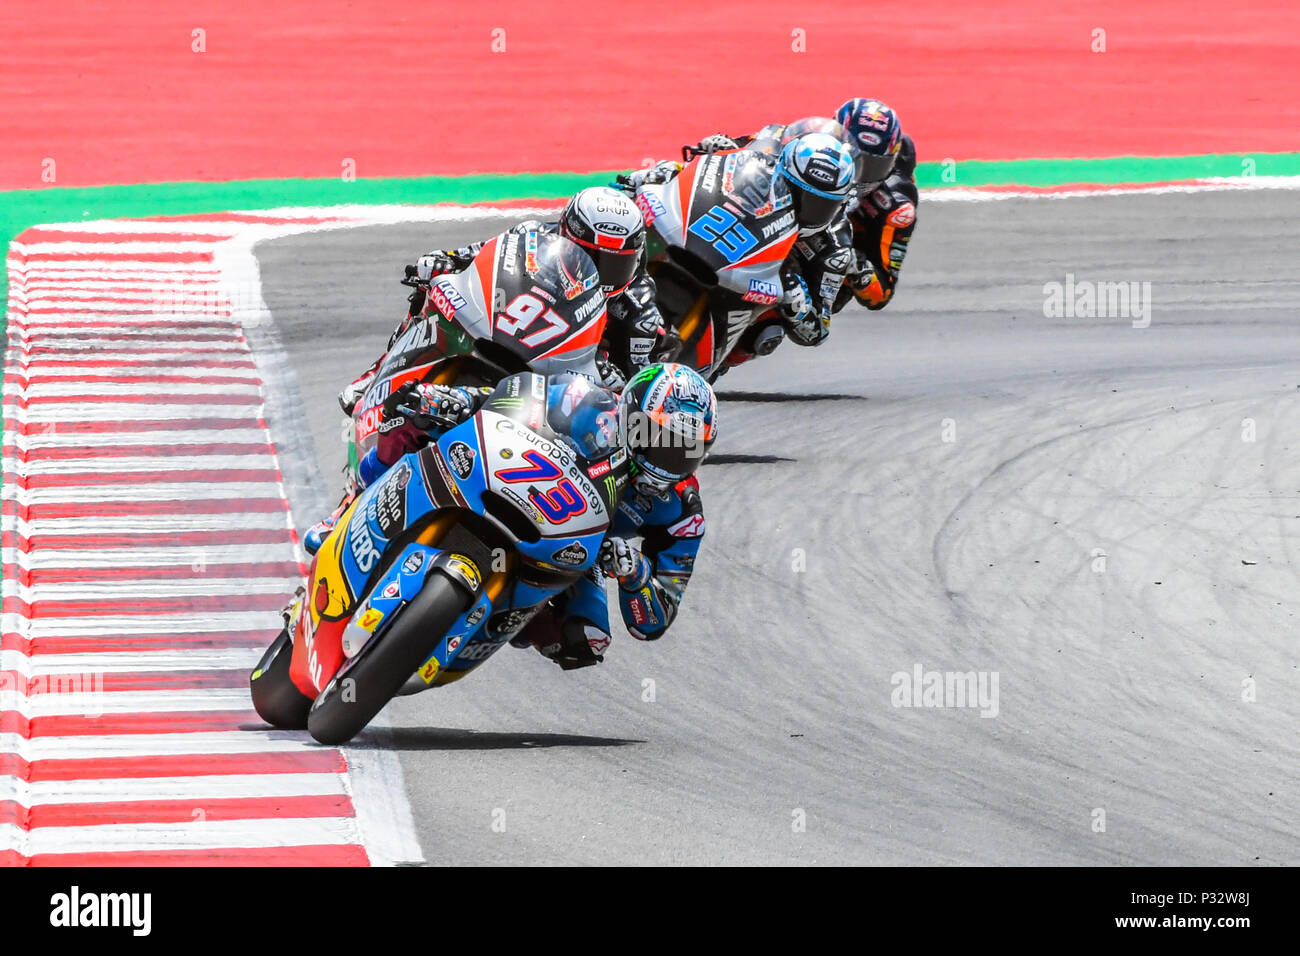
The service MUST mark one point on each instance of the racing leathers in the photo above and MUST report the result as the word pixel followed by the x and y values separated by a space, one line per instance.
pixel 882 220
pixel 633 326
pixel 573 628
pixel 821 260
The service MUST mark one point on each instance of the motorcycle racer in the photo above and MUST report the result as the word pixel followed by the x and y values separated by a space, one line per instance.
pixel 609 227
pixel 882 214
pixel 817 168
pixel 821 168
pixel 666 420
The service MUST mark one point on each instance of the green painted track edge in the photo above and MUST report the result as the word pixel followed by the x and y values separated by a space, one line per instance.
pixel 22 208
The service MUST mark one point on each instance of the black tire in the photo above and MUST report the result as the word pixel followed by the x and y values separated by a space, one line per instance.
pixel 384 665
pixel 277 698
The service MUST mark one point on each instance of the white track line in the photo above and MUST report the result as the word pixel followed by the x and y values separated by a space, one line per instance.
pixel 134 662
pixel 157 557
pixel 196 835
pixel 207 787
pixel 97 703
pixel 124 626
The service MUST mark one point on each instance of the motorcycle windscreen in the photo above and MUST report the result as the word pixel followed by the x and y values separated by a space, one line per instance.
pixel 739 207
pixel 548 310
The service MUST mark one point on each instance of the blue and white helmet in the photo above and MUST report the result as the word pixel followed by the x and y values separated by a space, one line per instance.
pixel 819 170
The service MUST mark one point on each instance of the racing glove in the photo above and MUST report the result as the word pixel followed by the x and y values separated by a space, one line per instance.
pixel 610 376
pixel 411 413
pixel 434 264
pixel 660 172
pixel 427 406
pixel 803 323
pixel 716 143
pixel 623 561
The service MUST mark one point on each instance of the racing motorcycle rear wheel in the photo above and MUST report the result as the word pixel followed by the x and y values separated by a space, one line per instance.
pixel 370 680
pixel 276 698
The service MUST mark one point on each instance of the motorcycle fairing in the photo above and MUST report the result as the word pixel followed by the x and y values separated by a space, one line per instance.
pixel 730 211
pixel 371 565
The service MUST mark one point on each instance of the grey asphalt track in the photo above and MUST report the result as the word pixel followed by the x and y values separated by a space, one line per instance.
pixel 1073 503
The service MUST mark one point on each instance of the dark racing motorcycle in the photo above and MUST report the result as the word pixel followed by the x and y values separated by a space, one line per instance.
pixel 529 300
pixel 718 235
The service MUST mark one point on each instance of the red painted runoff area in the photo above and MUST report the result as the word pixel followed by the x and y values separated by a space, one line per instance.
pixel 121 91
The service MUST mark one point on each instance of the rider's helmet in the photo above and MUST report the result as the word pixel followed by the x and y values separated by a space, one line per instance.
pixel 669 421
pixel 608 225
pixel 873 128
pixel 813 124
pixel 819 170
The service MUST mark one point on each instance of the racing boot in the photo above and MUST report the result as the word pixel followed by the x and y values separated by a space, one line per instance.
pixel 317 533
pixel 354 390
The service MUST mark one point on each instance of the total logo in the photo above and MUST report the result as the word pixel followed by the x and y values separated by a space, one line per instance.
pixel 309 642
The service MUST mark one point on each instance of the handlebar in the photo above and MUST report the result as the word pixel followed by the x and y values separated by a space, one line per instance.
pixel 412 280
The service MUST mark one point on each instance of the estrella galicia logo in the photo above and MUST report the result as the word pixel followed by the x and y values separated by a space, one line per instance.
pixel 387 509
pixel 461 457
pixel 574 555
pixel 509 621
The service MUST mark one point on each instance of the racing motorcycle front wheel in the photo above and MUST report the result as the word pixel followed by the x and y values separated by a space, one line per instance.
pixel 370 680
pixel 276 698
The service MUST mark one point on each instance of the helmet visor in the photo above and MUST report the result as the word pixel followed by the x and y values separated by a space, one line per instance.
pixel 616 267
pixel 663 452
pixel 813 211
pixel 873 169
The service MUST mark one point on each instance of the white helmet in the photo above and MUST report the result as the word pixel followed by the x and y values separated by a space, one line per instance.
pixel 608 225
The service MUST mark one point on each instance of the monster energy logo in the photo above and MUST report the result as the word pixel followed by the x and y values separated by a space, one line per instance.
pixel 645 375
pixel 508 403
pixel 611 487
